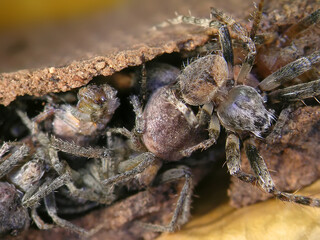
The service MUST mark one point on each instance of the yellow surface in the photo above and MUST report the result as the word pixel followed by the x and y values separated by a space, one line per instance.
pixel 272 219
pixel 19 13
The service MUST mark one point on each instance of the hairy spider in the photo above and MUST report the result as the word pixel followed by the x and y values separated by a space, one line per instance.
pixel 39 171
pixel 83 122
pixel 168 127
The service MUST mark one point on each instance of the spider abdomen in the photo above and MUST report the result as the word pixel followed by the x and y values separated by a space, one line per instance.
pixel 167 131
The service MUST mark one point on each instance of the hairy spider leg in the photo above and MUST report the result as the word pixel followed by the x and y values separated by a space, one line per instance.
pixel 234 161
pixel 8 164
pixel 260 169
pixel 182 211
pixel 50 204
pixel 289 71
pixel 296 92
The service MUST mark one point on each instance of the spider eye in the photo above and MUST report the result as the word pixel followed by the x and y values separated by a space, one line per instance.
pixel 100 97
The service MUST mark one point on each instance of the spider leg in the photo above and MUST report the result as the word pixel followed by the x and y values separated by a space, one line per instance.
pixel 227 50
pixel 9 163
pixel 302 25
pixel 186 111
pixel 265 181
pixel 143 80
pixel 143 166
pixel 234 160
pixel 256 20
pixel 50 204
pixel 108 166
pixel 214 131
pixel 4 149
pixel 244 36
pixel 182 211
pixel 105 156
pixel 289 71
pixel 38 221
pixel 296 92
pixel 226 47
pixel 64 169
pixel 133 136
pixel 137 108
pixel 74 149
pixel 47 113
pixel 280 123
pixel 78 209
pixel 202 22
pixel 32 197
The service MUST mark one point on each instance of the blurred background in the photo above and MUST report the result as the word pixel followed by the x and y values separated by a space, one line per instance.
pixel 19 14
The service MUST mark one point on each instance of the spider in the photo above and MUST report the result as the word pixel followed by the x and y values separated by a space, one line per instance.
pixel 169 129
pixel 36 171
pixel 83 122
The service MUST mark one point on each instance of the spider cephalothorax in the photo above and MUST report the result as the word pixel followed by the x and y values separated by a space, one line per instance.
pixel 243 109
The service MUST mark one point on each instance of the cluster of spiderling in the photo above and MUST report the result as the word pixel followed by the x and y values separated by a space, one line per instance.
pixel 166 129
